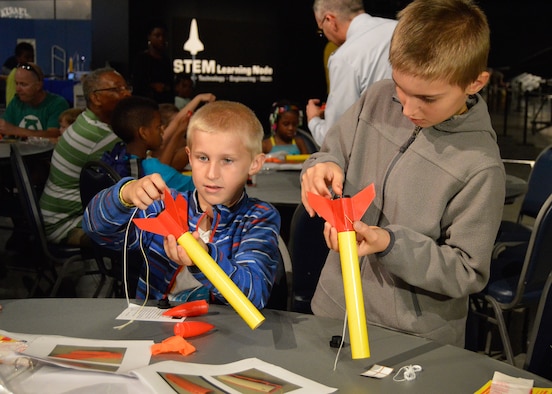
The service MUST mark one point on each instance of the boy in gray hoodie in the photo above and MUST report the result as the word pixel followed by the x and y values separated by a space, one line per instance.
pixel 426 142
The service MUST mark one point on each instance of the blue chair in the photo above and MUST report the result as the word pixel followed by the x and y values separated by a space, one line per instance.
pixel 539 187
pixel 539 351
pixel 95 176
pixel 312 146
pixel 308 252
pixel 517 280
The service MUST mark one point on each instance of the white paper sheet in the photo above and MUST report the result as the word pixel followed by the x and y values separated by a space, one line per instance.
pixel 169 376
pixel 119 357
pixel 146 313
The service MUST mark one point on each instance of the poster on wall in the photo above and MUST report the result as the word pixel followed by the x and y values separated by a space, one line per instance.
pixel 235 60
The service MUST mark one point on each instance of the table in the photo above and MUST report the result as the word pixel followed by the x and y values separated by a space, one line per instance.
pixel 284 187
pixel 294 341
pixel 277 187
pixel 26 148
pixel 283 190
pixel 515 187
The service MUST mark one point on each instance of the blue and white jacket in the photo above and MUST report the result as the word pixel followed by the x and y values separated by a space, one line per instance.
pixel 244 242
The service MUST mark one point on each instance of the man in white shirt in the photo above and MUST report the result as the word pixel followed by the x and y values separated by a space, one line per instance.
pixel 360 59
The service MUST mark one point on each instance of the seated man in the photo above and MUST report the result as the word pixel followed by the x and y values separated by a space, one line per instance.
pixel 84 140
pixel 33 112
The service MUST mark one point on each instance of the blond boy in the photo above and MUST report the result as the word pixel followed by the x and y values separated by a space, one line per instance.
pixel 240 233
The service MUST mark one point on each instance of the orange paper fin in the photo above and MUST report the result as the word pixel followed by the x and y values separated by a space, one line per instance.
pixel 342 212
pixel 173 220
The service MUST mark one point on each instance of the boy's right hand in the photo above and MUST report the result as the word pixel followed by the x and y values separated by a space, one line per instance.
pixel 317 179
pixel 144 191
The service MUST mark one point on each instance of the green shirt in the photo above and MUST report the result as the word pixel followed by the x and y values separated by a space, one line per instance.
pixel 41 117
pixel 86 139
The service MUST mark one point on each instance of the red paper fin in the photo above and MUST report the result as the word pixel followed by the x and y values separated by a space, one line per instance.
pixel 182 208
pixel 341 212
pixel 323 207
pixel 362 200
pixel 171 209
pixel 152 225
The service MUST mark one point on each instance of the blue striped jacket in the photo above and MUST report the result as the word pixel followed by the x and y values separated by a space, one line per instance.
pixel 245 242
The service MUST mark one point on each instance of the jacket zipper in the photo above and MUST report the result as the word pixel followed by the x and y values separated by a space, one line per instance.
pixel 403 149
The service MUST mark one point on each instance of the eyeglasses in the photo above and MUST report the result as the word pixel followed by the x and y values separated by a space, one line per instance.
pixel 320 30
pixel 28 67
pixel 117 89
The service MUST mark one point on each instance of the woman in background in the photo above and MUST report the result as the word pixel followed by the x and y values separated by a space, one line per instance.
pixel 153 75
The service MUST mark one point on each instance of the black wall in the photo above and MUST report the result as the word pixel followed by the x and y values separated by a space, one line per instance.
pixel 519 39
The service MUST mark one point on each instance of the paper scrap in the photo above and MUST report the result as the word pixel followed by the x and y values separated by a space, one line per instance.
pixel 146 313
pixel 378 371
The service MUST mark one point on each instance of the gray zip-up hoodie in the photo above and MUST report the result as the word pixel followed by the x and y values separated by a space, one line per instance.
pixel 439 192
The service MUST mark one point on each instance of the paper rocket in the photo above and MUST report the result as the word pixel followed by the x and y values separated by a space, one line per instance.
pixel 341 213
pixel 174 220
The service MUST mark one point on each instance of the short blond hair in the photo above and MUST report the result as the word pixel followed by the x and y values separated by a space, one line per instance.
pixel 228 117
pixel 445 40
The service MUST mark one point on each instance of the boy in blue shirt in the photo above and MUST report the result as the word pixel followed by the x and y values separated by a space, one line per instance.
pixel 137 122
pixel 240 233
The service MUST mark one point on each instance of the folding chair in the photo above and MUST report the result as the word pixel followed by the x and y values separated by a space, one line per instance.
pixel 95 176
pixel 308 252
pixel 511 287
pixel 539 187
pixel 50 255
pixel 539 351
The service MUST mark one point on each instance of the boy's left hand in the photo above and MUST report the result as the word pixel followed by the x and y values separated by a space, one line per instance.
pixel 370 239
pixel 176 253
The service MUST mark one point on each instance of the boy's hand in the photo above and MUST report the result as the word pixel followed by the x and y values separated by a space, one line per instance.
pixel 176 253
pixel 316 180
pixel 144 191
pixel 370 239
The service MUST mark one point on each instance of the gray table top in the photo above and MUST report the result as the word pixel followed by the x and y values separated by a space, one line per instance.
pixel 296 342
pixel 284 187
pixel 26 148
pixel 277 187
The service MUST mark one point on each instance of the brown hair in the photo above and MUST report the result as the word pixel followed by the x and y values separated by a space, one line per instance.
pixel 441 40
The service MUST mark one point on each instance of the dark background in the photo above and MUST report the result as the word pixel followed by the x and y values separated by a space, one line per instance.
pixel 520 39
pixel 282 33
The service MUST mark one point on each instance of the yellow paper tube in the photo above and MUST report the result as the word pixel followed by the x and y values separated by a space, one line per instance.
pixel 221 281
pixel 354 301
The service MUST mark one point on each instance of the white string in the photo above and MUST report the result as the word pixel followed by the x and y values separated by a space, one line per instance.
pixel 409 373
pixel 125 265
pixel 342 340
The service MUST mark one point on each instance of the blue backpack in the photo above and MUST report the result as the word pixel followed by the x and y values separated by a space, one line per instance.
pixel 122 163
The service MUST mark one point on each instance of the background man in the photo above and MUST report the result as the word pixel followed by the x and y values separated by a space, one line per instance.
pixel 33 112
pixel 360 60
pixel 86 139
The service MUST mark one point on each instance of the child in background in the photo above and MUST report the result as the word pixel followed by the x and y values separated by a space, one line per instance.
pixel 238 232
pixel 426 142
pixel 184 90
pixel 285 118
pixel 137 122
pixel 67 117
pixel 168 112
pixel 180 158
